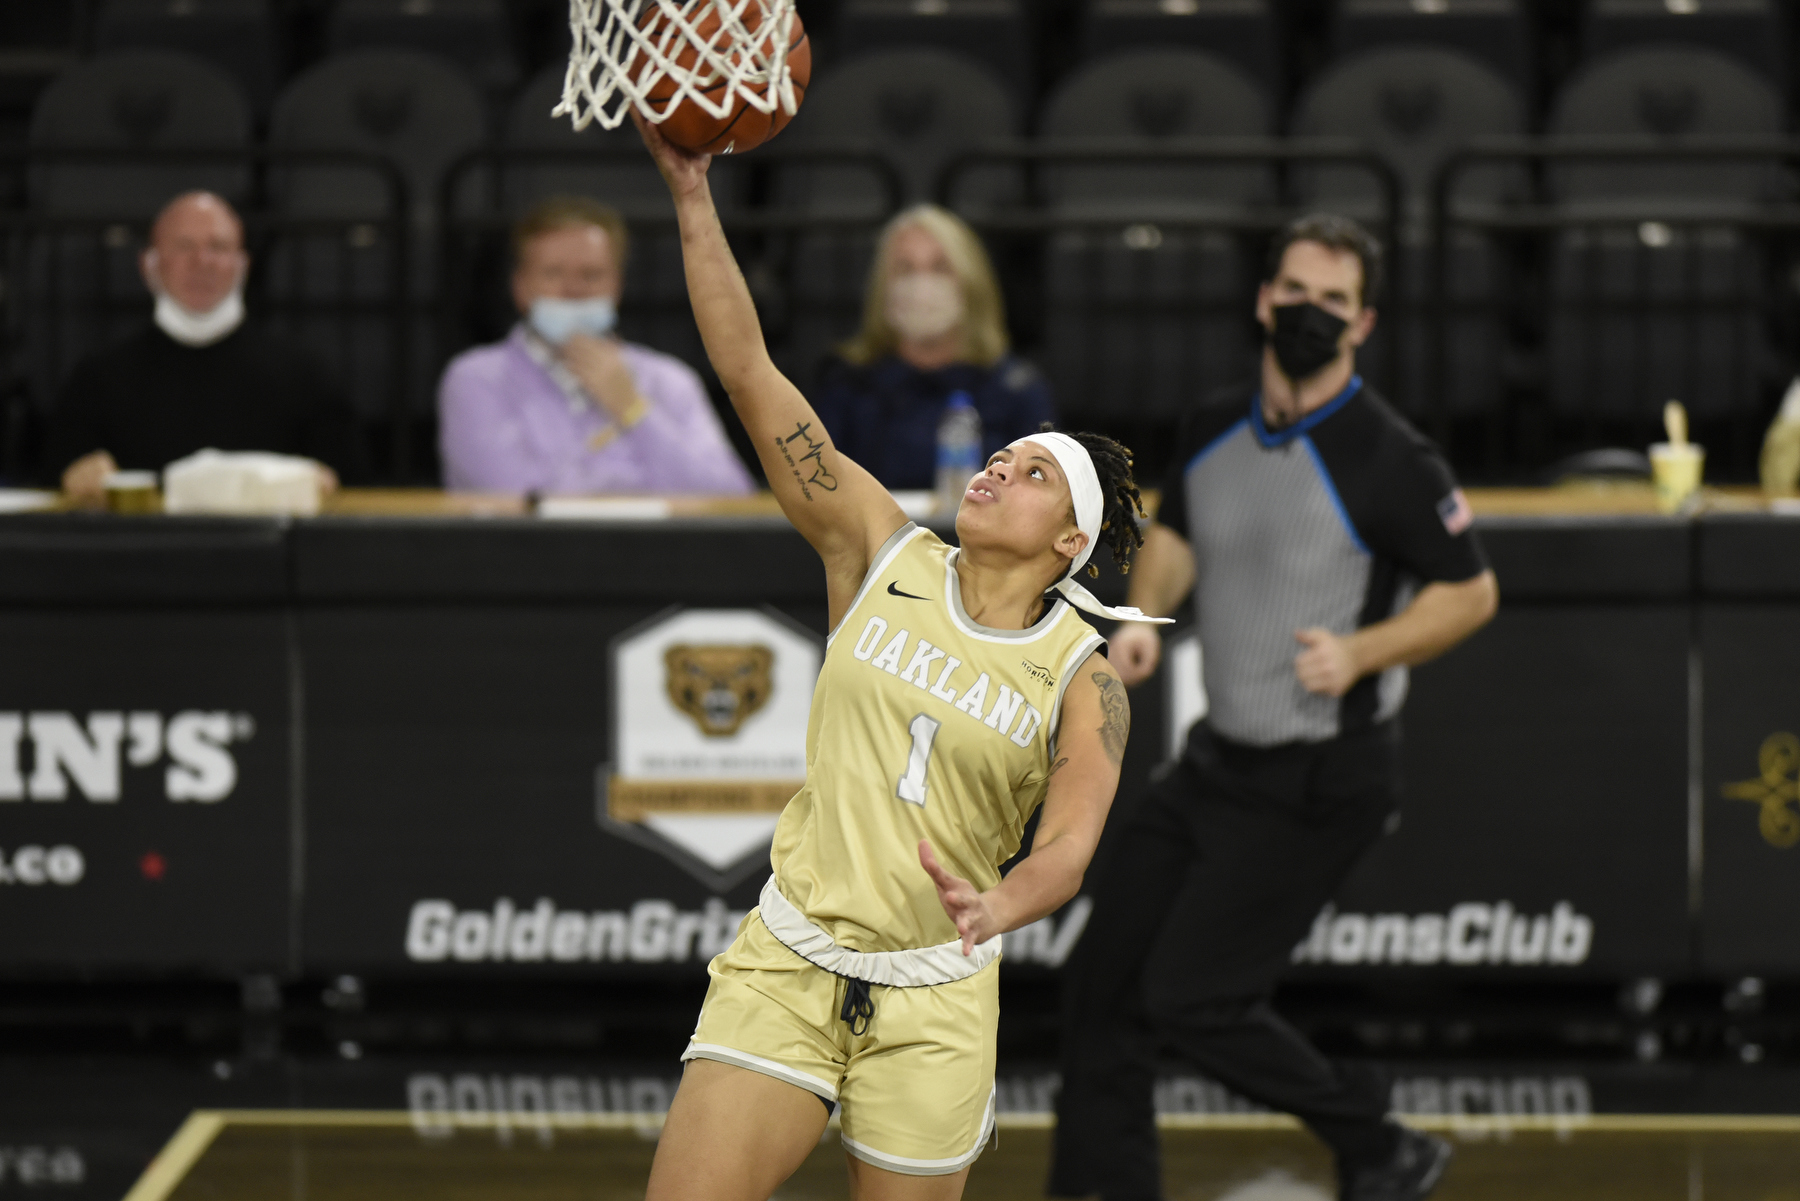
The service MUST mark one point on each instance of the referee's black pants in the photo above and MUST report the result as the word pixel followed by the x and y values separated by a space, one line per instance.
pixel 1197 909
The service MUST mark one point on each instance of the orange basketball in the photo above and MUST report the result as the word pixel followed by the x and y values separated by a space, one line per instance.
pixel 743 127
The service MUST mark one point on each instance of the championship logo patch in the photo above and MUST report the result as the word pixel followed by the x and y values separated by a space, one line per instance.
pixel 709 715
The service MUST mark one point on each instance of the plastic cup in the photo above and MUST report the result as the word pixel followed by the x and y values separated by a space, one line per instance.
pixel 132 492
pixel 1676 472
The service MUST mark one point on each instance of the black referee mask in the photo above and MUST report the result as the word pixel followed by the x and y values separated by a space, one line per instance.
pixel 1305 339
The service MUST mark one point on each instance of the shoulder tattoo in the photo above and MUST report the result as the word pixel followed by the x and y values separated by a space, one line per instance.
pixel 1115 716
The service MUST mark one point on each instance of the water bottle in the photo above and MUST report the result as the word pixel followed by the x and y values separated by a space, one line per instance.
pixel 958 451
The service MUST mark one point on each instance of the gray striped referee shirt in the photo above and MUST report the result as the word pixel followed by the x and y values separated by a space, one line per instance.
pixel 1333 521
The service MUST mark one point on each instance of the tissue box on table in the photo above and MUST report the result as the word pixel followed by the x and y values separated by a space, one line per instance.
pixel 241 482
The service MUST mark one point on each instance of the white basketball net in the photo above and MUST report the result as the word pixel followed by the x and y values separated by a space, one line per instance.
pixel 615 65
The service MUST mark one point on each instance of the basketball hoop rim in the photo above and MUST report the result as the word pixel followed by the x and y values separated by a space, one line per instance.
pixel 624 56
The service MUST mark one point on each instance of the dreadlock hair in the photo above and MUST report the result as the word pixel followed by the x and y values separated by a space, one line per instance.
pixel 1121 505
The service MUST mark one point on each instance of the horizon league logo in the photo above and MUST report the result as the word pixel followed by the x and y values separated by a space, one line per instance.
pixel 654 931
pixel 63 752
pixel 1471 933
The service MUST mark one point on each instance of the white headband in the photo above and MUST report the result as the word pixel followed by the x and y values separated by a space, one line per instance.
pixel 1090 504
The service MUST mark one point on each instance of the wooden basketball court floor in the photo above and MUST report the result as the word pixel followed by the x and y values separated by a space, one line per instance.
pixel 339 1155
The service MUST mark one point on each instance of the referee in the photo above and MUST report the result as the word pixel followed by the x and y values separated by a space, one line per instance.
pixel 1328 549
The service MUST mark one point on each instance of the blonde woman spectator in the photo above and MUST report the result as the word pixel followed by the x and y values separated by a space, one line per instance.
pixel 933 325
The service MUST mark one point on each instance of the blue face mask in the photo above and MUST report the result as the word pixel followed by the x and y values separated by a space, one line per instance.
pixel 556 319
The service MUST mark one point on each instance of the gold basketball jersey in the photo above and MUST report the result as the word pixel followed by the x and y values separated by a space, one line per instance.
pixel 924 725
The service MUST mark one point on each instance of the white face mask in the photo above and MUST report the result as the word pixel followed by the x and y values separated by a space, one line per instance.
pixel 196 329
pixel 922 305
pixel 557 320
pixel 200 329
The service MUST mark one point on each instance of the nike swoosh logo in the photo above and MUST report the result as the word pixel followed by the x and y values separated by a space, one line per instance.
pixel 894 590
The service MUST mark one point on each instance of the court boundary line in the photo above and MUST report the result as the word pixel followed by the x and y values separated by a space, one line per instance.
pixel 178 1156
pixel 1649 1123
pixel 197 1134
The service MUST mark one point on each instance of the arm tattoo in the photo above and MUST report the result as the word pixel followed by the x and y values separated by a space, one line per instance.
pixel 810 468
pixel 1115 719
pixel 1058 766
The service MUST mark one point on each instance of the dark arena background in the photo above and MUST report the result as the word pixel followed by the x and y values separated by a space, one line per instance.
pixel 335 843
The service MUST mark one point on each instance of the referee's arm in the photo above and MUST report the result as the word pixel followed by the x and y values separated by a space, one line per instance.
pixel 1162 573
pixel 1439 617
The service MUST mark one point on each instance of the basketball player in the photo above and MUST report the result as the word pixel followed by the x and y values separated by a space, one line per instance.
pixel 959 691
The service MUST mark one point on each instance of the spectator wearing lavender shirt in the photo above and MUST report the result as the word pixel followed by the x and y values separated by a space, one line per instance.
pixel 562 405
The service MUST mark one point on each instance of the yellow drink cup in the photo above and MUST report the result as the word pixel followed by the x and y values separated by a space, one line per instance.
pixel 1676 470
pixel 132 492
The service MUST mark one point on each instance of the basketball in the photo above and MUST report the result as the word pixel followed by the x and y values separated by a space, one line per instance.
pixel 743 126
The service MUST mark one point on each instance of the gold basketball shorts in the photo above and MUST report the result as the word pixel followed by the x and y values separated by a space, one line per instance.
pixel 915 1090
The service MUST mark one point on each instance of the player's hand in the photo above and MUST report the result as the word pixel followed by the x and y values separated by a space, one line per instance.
pixel 964 905
pixel 682 170
pixel 1327 667
pixel 1134 651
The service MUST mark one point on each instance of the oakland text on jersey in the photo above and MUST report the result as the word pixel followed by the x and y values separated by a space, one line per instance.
pixel 90 755
pixel 933 671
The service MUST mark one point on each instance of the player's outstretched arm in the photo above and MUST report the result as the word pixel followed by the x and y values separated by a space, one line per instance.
pixel 1090 746
pixel 836 505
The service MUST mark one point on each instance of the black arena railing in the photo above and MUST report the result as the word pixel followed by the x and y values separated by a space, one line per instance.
pixel 1626 273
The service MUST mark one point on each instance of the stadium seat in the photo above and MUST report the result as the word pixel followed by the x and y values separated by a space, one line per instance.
pixel 1413 107
pixel 1493 31
pixel 1673 94
pixel 1653 312
pixel 1148 296
pixel 418 112
pixel 919 108
pixel 1657 291
pixel 237 36
pixel 415 109
pixel 1750 30
pixel 629 182
pixel 991 32
pixel 1240 31
pixel 137 101
pixel 1152 96
pixel 474 34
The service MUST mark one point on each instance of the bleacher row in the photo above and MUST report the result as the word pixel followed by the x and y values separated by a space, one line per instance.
pixel 1549 296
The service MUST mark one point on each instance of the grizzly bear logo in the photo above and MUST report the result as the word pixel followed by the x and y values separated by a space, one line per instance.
pixel 719 686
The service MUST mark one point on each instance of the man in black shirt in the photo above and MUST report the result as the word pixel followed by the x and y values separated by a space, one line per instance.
pixel 198 377
pixel 1327 549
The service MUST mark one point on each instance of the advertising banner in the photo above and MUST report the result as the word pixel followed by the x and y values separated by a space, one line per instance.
pixel 510 748
pixel 1750 789
pixel 549 788
pixel 144 790
pixel 1543 820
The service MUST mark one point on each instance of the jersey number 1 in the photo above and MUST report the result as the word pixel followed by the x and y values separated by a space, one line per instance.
pixel 912 784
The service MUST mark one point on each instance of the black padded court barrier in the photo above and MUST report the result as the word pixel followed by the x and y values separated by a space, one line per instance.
pixel 1748 779
pixel 242 746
